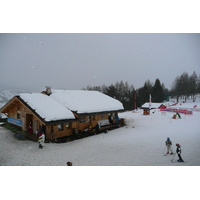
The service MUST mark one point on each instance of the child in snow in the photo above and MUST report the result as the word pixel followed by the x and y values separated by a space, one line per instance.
pixel 41 139
pixel 178 151
pixel 168 144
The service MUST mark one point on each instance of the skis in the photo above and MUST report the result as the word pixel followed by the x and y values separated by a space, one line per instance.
pixel 176 161
pixel 168 154
pixel 172 160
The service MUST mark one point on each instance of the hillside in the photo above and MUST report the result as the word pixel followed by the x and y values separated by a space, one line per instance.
pixel 6 95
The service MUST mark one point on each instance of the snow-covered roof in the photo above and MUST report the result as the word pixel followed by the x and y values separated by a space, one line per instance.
pixel 153 105
pixel 46 107
pixel 83 101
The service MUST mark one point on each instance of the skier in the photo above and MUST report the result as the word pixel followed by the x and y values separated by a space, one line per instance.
pixel 168 143
pixel 41 139
pixel 178 151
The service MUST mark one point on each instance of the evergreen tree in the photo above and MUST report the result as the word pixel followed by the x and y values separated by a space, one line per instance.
pixel 157 92
pixel 143 93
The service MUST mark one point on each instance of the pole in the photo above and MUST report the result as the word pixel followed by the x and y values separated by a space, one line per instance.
pixel 173 157
pixel 135 100
pixel 164 150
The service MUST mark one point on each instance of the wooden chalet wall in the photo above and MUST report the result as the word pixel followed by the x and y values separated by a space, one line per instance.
pixel 19 111
pixel 60 129
pixel 16 111
pixel 21 115
pixel 65 129
pixel 92 120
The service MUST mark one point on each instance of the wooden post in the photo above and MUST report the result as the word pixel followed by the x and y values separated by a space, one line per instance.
pixel 135 100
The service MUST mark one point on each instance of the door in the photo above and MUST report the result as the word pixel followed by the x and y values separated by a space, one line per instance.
pixel 35 126
pixel 29 119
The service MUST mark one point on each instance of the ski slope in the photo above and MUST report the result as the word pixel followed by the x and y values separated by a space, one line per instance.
pixel 140 143
pixel 116 157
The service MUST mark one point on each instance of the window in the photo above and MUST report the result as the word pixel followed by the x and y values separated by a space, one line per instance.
pixel 68 125
pixel 18 115
pixel 87 119
pixel 60 127
pixel 82 120
pixel 102 116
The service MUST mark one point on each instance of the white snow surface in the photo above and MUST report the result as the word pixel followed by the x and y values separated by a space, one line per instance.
pixel 84 101
pixel 46 107
pixel 140 143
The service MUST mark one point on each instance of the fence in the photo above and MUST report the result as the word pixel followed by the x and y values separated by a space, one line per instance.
pixel 186 112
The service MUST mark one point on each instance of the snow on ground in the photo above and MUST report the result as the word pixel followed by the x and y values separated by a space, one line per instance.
pixel 140 143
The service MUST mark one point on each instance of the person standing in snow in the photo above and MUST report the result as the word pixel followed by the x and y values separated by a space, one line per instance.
pixel 41 139
pixel 168 143
pixel 178 151
pixel 30 128
pixel 117 119
pixel 97 128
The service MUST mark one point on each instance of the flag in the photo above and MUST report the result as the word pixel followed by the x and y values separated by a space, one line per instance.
pixel 149 101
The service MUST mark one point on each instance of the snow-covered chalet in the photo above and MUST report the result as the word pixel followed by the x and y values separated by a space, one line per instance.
pixel 62 113
pixel 146 107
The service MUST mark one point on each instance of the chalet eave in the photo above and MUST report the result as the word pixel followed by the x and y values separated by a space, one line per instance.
pixel 97 113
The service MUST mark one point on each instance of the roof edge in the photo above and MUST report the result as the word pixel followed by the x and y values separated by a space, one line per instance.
pixel 98 113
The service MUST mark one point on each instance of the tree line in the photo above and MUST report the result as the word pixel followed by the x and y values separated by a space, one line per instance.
pixel 183 85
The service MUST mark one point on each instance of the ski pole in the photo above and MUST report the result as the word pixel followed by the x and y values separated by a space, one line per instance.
pixel 173 157
pixel 164 149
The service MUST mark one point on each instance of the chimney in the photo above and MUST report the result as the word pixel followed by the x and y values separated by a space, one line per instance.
pixel 48 90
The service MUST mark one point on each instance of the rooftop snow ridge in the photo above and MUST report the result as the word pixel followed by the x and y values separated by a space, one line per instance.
pixel 86 101
pixel 46 107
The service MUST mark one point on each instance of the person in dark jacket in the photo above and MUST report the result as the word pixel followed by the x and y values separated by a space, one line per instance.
pixel 97 128
pixel 178 151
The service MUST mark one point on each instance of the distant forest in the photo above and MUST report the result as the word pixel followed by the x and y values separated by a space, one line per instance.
pixel 184 86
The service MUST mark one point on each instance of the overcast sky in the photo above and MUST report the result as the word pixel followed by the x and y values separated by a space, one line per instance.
pixel 73 61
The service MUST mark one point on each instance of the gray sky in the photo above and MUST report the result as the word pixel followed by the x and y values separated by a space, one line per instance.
pixel 73 61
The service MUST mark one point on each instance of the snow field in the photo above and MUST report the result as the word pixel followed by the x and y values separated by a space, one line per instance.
pixel 140 143
pixel 132 155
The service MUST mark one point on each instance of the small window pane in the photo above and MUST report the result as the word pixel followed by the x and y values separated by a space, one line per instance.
pixel 60 127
